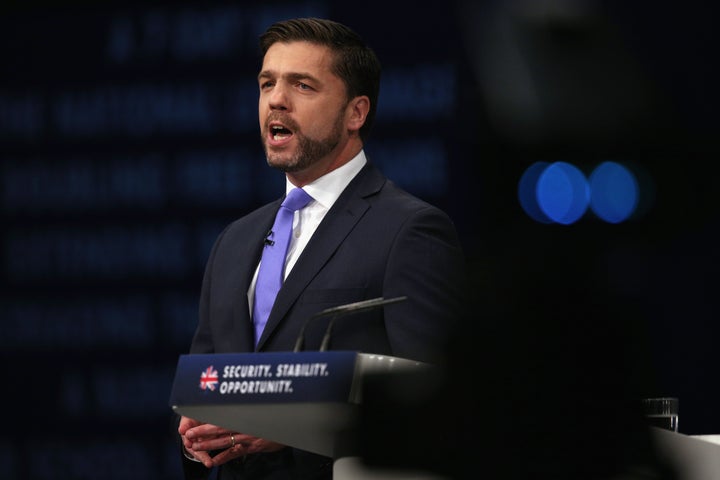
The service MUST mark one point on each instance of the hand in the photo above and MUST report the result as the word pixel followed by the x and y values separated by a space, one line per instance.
pixel 199 439
pixel 185 425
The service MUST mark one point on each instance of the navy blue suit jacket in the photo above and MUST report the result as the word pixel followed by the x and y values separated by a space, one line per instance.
pixel 376 241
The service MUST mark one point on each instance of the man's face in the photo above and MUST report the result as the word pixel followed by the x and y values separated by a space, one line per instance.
pixel 302 107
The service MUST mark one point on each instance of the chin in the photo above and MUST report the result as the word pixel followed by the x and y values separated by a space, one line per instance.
pixel 282 164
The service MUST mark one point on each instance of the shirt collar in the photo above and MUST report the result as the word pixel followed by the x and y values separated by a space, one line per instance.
pixel 326 189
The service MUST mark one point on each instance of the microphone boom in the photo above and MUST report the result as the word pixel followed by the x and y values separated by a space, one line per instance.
pixel 340 311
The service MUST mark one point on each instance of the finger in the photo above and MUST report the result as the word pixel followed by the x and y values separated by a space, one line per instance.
pixel 259 445
pixel 187 443
pixel 204 457
pixel 228 454
pixel 221 442
pixel 186 424
pixel 243 438
pixel 251 441
pixel 206 430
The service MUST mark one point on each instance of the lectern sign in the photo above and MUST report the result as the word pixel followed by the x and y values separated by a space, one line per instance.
pixel 273 377
pixel 303 399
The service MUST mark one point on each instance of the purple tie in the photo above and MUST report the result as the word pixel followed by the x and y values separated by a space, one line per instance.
pixel 272 265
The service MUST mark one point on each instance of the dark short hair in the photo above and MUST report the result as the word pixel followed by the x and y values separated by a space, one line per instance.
pixel 354 62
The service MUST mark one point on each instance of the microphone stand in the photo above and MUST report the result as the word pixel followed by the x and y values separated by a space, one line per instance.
pixel 340 311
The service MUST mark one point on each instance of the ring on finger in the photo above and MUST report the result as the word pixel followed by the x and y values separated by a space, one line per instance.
pixel 232 441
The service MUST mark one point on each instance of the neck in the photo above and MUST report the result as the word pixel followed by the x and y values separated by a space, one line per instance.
pixel 324 166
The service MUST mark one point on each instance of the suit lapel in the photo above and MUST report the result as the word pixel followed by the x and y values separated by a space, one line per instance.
pixel 337 224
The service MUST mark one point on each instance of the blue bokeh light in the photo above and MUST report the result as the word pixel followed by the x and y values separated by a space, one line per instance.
pixel 563 193
pixel 527 192
pixel 614 192
pixel 559 192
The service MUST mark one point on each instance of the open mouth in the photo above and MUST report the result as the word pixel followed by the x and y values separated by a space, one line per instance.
pixel 279 132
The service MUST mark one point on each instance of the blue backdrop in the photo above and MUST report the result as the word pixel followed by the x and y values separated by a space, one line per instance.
pixel 128 139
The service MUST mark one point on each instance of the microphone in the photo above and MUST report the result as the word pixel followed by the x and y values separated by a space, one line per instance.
pixel 267 238
pixel 340 311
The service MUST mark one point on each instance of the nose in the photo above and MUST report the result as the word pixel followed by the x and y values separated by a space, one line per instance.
pixel 278 98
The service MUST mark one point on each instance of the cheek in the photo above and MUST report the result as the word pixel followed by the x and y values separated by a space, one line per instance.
pixel 320 123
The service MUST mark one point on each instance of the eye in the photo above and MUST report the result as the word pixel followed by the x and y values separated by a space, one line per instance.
pixel 266 84
pixel 304 86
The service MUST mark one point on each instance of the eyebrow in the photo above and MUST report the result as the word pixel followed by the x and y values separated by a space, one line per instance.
pixel 292 76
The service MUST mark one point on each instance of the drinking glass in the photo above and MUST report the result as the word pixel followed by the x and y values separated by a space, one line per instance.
pixel 662 412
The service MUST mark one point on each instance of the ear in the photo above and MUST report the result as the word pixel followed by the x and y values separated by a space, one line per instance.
pixel 356 112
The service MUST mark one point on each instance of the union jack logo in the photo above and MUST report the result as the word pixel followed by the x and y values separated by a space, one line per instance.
pixel 209 379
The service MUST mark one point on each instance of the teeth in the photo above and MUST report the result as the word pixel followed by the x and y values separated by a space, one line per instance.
pixel 279 132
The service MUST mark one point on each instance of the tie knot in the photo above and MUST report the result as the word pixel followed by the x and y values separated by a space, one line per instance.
pixel 296 199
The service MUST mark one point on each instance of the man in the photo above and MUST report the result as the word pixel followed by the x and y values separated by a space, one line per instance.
pixel 359 238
